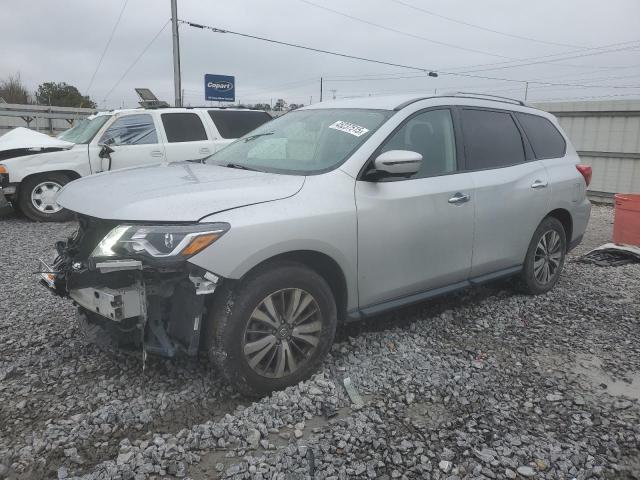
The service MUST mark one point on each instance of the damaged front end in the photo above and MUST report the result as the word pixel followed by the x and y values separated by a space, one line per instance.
pixel 134 281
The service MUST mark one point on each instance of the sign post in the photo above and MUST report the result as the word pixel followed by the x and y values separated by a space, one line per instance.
pixel 221 88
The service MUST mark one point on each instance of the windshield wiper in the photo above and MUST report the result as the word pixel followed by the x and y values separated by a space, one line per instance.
pixel 253 137
pixel 241 167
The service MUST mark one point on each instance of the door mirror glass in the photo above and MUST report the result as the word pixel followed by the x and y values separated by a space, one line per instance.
pixel 398 162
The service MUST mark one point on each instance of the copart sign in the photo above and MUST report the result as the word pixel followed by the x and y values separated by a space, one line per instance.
pixel 221 88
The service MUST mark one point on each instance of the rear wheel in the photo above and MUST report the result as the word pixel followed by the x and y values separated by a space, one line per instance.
pixel 545 257
pixel 37 198
pixel 273 329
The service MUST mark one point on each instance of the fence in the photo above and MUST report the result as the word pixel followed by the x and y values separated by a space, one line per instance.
pixel 50 120
pixel 606 135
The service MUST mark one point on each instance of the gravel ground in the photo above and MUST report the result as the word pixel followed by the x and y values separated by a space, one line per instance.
pixel 483 384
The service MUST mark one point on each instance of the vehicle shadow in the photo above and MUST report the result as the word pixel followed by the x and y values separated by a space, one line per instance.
pixel 405 316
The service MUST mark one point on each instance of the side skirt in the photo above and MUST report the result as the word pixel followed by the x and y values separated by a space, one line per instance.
pixel 379 308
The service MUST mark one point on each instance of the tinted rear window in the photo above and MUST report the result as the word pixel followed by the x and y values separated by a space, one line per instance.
pixel 545 139
pixel 235 124
pixel 183 127
pixel 491 139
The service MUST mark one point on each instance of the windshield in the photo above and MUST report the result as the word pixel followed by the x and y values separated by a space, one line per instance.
pixel 303 141
pixel 84 130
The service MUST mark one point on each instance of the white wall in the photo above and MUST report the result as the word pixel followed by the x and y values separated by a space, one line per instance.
pixel 606 135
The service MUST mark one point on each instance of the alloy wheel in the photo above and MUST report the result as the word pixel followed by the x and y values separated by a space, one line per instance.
pixel 43 197
pixel 548 257
pixel 282 333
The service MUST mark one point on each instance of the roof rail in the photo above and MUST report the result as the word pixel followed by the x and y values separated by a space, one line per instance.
pixel 477 96
pixel 480 96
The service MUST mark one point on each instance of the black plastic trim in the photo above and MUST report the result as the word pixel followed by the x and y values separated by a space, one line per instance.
pixel 379 308
pixel 574 243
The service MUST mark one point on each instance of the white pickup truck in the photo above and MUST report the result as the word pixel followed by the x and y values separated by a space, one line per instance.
pixel 34 167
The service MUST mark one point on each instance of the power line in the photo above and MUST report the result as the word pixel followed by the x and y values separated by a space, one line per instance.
pixel 529 81
pixel 294 45
pixel 628 47
pixel 601 49
pixel 144 50
pixel 406 34
pixel 431 72
pixel 106 47
pixel 401 32
pixel 479 27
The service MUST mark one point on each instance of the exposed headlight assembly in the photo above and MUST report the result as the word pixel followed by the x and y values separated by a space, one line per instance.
pixel 159 241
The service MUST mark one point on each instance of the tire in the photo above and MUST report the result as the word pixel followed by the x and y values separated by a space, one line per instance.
pixel 44 185
pixel 535 278
pixel 241 329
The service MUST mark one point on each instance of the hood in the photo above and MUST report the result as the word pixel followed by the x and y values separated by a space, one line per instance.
pixel 22 138
pixel 178 192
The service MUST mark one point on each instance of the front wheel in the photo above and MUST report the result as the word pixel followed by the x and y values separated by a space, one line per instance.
pixel 272 329
pixel 37 198
pixel 545 257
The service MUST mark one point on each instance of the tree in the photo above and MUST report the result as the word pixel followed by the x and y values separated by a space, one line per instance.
pixel 62 95
pixel 262 106
pixel 280 105
pixel 12 90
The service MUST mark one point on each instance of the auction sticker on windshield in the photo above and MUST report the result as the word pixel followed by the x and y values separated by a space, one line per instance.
pixel 351 128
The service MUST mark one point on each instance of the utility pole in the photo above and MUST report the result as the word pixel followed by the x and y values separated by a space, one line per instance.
pixel 320 88
pixel 526 90
pixel 177 88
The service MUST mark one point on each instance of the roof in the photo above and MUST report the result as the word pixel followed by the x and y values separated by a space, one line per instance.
pixel 173 110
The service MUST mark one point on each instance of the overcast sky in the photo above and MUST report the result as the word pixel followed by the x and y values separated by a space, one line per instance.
pixel 62 41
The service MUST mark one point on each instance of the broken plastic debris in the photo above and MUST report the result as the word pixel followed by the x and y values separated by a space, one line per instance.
pixel 612 255
pixel 355 397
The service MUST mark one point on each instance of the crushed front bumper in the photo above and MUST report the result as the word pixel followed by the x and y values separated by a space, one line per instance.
pixel 166 307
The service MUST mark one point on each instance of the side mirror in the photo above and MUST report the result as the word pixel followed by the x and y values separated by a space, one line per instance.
pixel 398 162
pixel 105 151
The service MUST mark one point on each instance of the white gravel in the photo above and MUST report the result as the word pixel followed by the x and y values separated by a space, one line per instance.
pixel 483 384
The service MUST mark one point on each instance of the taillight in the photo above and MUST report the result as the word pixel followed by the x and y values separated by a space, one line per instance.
pixel 586 172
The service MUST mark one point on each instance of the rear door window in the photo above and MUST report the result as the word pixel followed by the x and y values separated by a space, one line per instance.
pixel 236 123
pixel 183 127
pixel 137 129
pixel 491 139
pixel 545 139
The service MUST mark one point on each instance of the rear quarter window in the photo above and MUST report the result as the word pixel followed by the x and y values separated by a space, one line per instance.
pixel 183 127
pixel 236 123
pixel 544 137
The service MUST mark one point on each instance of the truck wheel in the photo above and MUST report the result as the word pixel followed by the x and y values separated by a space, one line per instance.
pixel 36 198
pixel 273 328
pixel 545 257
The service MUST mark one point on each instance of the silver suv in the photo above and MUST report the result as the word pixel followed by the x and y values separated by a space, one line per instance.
pixel 331 213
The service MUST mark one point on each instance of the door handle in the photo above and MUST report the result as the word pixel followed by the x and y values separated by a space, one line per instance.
pixel 459 198
pixel 156 153
pixel 539 184
pixel 205 150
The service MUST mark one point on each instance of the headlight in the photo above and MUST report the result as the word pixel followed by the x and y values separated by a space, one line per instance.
pixel 159 241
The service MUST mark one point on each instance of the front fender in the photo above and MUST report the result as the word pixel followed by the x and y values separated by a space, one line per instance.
pixel 75 160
